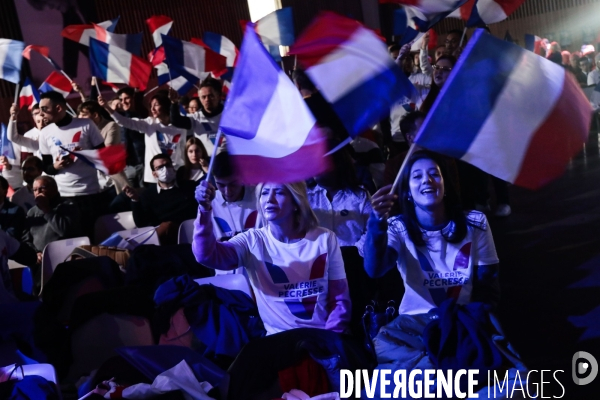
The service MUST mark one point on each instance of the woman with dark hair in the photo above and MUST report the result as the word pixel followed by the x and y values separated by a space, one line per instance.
pixel 160 135
pixel 441 251
pixel 195 161
pixel 441 71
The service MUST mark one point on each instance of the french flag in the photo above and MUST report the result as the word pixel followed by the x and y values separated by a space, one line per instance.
pixel 506 134
pixel 180 84
pixel 44 51
pixel 110 159
pixel 57 82
pixel 276 28
pixel 115 65
pixel 159 25
pixel 485 12
pixel 29 95
pixel 189 59
pixel 350 64
pixel 130 42
pixel 420 16
pixel 271 134
pixel 6 147
pixel 534 43
pixel 221 45
pixel 83 33
pixel 10 60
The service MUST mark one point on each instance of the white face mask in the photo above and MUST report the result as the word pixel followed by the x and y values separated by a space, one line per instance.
pixel 166 174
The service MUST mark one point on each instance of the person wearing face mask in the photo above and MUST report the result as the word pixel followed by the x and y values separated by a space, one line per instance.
pixel 163 201
pixel 160 137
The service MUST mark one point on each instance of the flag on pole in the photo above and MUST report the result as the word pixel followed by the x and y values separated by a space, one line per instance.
pixel 29 95
pixel 57 82
pixel 159 25
pixel 115 65
pixel 109 160
pixel 43 51
pixel 11 59
pixel 6 146
pixel 190 60
pixel 221 45
pixel 130 42
pixel 506 134
pixel 271 134
pixel 83 32
pixel 350 65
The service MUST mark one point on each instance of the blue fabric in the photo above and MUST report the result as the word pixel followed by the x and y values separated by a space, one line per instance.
pixel 34 388
pixel 11 67
pixel 213 41
pixel 256 80
pixel 6 148
pixel 285 21
pixel 224 320
pixel 133 43
pixel 460 338
pixel 481 73
pixel 98 59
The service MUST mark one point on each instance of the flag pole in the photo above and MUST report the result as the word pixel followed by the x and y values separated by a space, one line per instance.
pixel 212 158
pixel 412 149
pixel 16 93
pixel 339 146
pixel 96 83
pixel 71 108
pixel 462 39
pixel 151 90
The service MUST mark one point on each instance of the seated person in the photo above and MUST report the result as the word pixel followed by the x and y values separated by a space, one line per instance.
pixel 195 163
pixel 234 205
pixel 11 249
pixel 12 217
pixel 338 201
pixel 164 201
pixel 31 168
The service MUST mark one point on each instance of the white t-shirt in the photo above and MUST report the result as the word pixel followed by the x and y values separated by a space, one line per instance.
pixel 290 281
pixel 14 175
pixel 79 178
pixel 232 218
pixel 346 215
pixel 8 247
pixel 158 139
pixel 440 270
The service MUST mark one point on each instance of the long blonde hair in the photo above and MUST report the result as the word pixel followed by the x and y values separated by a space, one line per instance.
pixel 305 218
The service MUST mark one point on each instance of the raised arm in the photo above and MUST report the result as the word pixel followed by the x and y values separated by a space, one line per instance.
pixel 379 257
pixel 14 137
pixel 130 123
pixel 205 247
pixel 177 119
pixel 426 67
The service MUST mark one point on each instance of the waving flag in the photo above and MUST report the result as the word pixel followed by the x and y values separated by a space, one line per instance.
pixel 180 84
pixel 534 43
pixel 29 95
pixel 159 25
pixel 130 42
pixel 271 134
pixel 190 60
pixel 10 59
pixel 57 82
pixel 485 12
pixel 83 33
pixel 110 159
pixel 221 45
pixel 276 28
pixel 507 135
pixel 6 146
pixel 350 65
pixel 115 65
pixel 420 16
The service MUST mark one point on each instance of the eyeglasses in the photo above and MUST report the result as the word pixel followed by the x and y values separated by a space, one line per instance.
pixel 439 68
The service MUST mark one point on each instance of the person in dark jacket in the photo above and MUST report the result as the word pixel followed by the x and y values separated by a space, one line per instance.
pixel 12 217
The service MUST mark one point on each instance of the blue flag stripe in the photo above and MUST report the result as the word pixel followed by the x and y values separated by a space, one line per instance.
pixel 213 41
pixel 286 26
pixel 98 59
pixel 478 63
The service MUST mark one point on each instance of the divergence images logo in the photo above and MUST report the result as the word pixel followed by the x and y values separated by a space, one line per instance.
pixel 584 363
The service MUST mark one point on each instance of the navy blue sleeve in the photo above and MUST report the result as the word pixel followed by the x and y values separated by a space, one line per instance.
pixel 379 257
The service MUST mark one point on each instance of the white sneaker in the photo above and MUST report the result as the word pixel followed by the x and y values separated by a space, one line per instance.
pixel 503 210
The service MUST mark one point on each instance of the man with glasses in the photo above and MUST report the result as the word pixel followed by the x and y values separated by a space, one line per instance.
pixel 52 218
pixel 453 45
pixel 134 142
pixel 163 201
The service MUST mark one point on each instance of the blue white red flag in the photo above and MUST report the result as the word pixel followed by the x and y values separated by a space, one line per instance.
pixel 534 43
pixel 352 69
pixel 420 16
pixel 29 95
pixel 190 60
pixel 271 134
pixel 485 12
pixel 276 28
pixel 6 146
pixel 130 42
pixel 159 25
pixel 44 51
pixel 506 134
pixel 179 83
pixel 109 160
pixel 83 33
pixel 10 59
pixel 57 82
pixel 115 65
pixel 221 45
